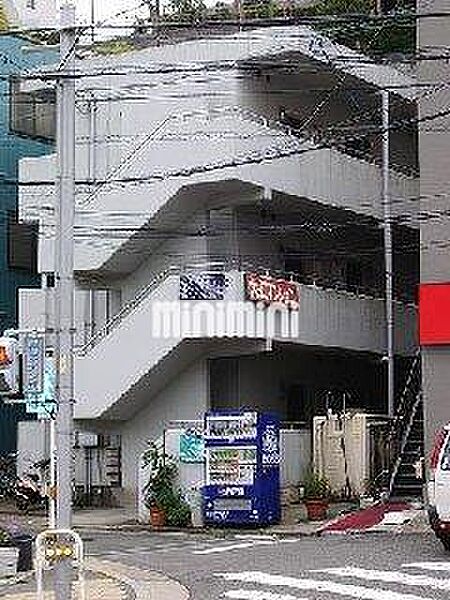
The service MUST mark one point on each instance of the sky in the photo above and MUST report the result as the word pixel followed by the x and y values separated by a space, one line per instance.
pixel 106 10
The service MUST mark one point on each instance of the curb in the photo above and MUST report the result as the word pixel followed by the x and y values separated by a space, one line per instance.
pixel 146 585
pixel 16 579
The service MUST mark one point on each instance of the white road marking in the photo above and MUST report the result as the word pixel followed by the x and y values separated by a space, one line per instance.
pixel 220 549
pixel 389 577
pixel 257 595
pixel 429 566
pixel 248 536
pixel 340 589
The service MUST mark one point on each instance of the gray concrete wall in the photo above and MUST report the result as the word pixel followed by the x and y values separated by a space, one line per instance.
pixel 186 397
pixel 434 39
pixel 287 375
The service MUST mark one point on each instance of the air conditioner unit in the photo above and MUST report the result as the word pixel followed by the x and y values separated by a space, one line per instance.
pixel 87 440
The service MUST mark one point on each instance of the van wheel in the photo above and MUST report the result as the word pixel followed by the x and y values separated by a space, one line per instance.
pixel 446 543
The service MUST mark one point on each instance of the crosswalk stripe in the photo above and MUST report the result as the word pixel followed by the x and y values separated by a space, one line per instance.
pixel 219 549
pixel 255 538
pixel 257 595
pixel 389 577
pixel 429 566
pixel 340 589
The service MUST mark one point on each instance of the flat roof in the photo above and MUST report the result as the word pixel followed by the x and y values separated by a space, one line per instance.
pixel 234 48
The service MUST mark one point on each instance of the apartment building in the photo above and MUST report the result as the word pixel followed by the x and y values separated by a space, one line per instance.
pixel 30 13
pixel 18 138
pixel 229 240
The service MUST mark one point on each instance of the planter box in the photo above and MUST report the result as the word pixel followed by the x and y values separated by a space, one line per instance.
pixel 8 561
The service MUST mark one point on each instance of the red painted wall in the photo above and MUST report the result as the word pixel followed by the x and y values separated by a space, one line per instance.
pixel 434 314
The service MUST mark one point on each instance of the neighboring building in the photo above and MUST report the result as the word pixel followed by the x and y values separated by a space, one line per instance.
pixel 29 13
pixel 201 167
pixel 18 252
pixel 434 42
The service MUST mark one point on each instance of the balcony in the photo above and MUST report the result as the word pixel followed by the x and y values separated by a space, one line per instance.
pixel 152 338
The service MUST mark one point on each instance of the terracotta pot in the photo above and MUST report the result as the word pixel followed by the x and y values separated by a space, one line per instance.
pixel 316 509
pixel 157 517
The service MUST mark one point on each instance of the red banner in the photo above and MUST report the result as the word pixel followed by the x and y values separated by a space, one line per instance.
pixel 267 289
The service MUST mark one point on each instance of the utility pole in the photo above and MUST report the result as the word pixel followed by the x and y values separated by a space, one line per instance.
pixel 64 283
pixel 389 274
pixel 92 22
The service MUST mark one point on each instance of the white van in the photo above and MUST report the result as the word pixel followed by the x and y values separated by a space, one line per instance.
pixel 439 487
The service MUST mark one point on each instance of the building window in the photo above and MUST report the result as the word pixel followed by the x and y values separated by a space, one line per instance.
pixel 33 114
pixel 22 245
pixel 31 4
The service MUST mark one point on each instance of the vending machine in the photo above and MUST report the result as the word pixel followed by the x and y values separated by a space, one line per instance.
pixel 242 461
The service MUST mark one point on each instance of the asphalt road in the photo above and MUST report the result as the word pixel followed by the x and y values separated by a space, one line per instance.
pixel 251 567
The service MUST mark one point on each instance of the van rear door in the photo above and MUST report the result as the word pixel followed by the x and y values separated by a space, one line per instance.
pixel 442 482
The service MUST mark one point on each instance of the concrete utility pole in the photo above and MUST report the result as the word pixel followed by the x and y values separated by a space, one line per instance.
pixel 388 255
pixel 93 22
pixel 64 282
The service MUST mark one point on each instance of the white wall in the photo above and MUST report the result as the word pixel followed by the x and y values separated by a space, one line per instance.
pixel 91 310
pixel 148 136
pixel 179 251
pixel 31 445
pixel 185 398
pixel 44 13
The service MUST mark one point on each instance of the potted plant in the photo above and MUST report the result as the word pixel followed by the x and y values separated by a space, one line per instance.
pixel 316 496
pixel 161 495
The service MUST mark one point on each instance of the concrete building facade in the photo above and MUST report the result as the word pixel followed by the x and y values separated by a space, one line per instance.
pixel 434 40
pixel 18 243
pixel 202 168
pixel 29 13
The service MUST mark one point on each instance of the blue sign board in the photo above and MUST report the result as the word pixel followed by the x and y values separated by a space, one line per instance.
pixel 34 356
pixel 43 405
pixel 192 447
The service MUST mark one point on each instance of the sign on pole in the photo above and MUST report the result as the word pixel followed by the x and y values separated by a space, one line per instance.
pixel 34 357
pixel 44 405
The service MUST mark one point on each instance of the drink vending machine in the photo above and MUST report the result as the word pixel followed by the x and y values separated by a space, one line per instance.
pixel 242 460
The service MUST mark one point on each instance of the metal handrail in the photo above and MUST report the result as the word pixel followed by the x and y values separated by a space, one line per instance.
pixel 403 421
pixel 140 296
pixel 404 440
pixel 127 309
pixel 404 396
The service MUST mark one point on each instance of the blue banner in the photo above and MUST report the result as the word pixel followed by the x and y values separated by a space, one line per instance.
pixel 202 286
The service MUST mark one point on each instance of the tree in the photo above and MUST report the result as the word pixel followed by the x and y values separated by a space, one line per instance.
pixel 187 10
pixel 358 30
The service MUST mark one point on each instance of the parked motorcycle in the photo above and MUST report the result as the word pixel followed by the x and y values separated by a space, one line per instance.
pixel 28 494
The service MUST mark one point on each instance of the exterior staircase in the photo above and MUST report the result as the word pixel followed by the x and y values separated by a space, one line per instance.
pixel 407 438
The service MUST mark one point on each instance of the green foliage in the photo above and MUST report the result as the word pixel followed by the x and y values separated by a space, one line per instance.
pixel 161 491
pixel 5 539
pixel 187 10
pixel 113 47
pixel 221 11
pixel 268 9
pixel 316 486
pixel 373 37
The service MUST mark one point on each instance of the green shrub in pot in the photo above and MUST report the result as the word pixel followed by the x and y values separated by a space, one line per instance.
pixel 161 491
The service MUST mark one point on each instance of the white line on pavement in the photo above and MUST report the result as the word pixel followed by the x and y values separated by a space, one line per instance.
pixel 247 536
pixel 219 549
pixel 257 595
pixel 340 589
pixel 389 577
pixel 429 566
